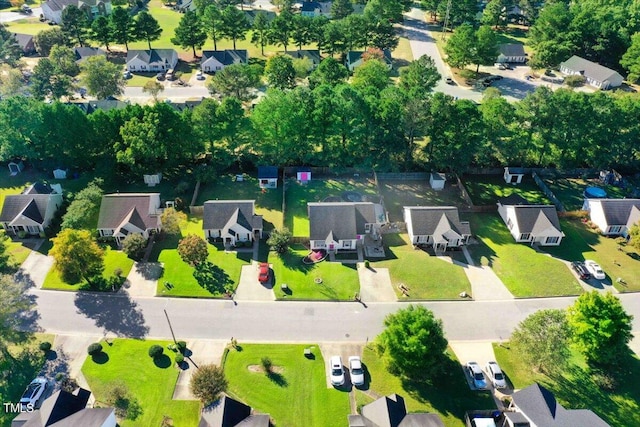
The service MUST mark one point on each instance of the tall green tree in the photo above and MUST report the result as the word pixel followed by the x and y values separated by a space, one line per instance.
pixel 64 60
pixel 236 80
pixel 102 78
pixel 329 72
pixel 260 33
pixel 123 26
pixel 631 59
pixel 381 34
pixel 102 31
pixel 280 72
pixel 486 47
pixel 15 305
pixel 46 81
pixel 551 37
pixel 281 29
pixel 212 21
pixel 10 50
pixel 46 39
pixel 371 77
pixel 494 14
pixel 341 9
pixel 75 24
pixel 234 24
pixel 147 28
pixel 84 207
pixel 419 78
pixel 302 30
pixel 190 33
pixel 460 47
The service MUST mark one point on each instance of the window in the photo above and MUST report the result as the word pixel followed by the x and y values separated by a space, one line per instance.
pixel 33 229
pixel 615 229
pixel 552 240
pixel 525 236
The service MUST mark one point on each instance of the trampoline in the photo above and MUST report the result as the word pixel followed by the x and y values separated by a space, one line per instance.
pixel 594 193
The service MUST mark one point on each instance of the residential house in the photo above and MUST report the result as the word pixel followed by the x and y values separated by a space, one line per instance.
pixel 513 175
pixel 232 221
pixel 82 53
pixel 64 409
pixel 391 411
pixel 89 107
pixel 595 74
pixel 251 15
pixel 614 217
pixel 188 104
pixel 228 412
pixel 354 59
pixel 122 214
pixel 437 180
pixel 268 176
pixel 535 406
pixel 217 60
pixel 311 9
pixel 312 55
pixel 149 61
pixel 336 226
pixel 529 223
pixel 436 226
pixel 31 211
pixel 511 52
pixel 52 9
pixel 25 41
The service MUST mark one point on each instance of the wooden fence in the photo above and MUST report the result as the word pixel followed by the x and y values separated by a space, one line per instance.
pixel 547 192
pixel 402 176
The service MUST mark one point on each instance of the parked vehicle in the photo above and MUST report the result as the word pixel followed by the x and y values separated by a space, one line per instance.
pixel 495 375
pixel 171 75
pixel 476 375
pixel 199 75
pixel 337 371
pixel 33 393
pixel 357 373
pixel 26 9
pixel 450 81
pixel 594 269
pixel 160 77
pixel 263 272
pixel 581 270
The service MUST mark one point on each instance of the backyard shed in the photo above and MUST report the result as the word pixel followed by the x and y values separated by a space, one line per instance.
pixel 15 167
pixel 268 176
pixel 437 180
pixel 153 180
pixel 513 175
pixel 303 175
pixel 60 174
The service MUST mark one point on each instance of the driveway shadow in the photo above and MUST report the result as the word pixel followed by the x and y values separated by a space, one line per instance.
pixel 114 313
pixel 150 270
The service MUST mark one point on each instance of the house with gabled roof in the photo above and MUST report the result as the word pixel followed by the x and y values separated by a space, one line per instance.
pixel 354 59
pixel 83 52
pixel 313 55
pixel 311 9
pixel 511 52
pixel 149 61
pixel 436 226
pixel 268 176
pixel 233 221
pixel 122 214
pixel 217 60
pixel 391 411
pixel 26 43
pixel 535 406
pixel 595 74
pixel 529 223
pixel 614 217
pixel 342 226
pixel 228 412
pixel 52 9
pixel 31 211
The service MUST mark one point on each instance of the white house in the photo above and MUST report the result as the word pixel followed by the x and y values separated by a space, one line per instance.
pixel 513 175
pixel 595 74
pixel 149 61
pixel 436 226
pixel 437 180
pixel 343 225
pixel 613 217
pixel 232 221
pixel 511 52
pixel 268 176
pixel 52 9
pixel 531 223
pixel 122 214
pixel 31 211
pixel 354 59
pixel 217 60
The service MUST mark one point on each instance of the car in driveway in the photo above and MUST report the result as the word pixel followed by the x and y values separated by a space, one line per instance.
pixel 595 269
pixel 496 375
pixel 160 77
pixel 199 75
pixel 477 377
pixel 263 272
pixel 581 270
pixel 450 81
pixel 337 371
pixel 357 373
pixel 33 393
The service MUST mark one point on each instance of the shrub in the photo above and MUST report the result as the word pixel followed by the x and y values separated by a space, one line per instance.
pixel 134 245
pixel 366 264
pixel 182 346
pixel 94 348
pixel 605 381
pixel 45 346
pixel 60 376
pixel 155 351
pixel 267 364
pixel 117 272
pixel 179 358
pixel 207 383
pixel 574 81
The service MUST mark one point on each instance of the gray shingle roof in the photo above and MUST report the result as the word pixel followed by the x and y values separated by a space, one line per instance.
pixel 391 411
pixel 589 69
pixel 536 218
pixel 119 209
pixel 511 49
pixel 618 211
pixel 342 220
pixel 56 407
pixel 436 221
pixel 266 172
pixel 88 417
pixel 309 6
pixel 23 40
pixel 219 214
pixel 154 56
pixel 228 412
pixel 353 56
pixel 33 206
pixel 312 55
pixel 60 4
pixel 82 53
pixel 226 57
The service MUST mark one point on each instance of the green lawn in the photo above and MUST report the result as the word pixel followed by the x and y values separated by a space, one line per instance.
pixel 150 382
pixel 18 253
pixel 28 26
pixel 416 193
pixel 113 259
pixel 297 196
pixel 525 272
pixel 268 202
pixel 426 276
pixel 488 189
pixel 575 389
pixel 339 281
pixel 449 397
pixel 227 266
pixel 296 394
pixel 581 242
pixel 570 190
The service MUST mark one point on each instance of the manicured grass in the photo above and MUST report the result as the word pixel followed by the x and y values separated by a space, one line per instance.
pixel 570 190
pixel 268 202
pixel 574 388
pixel 28 26
pixel 150 382
pixel 113 259
pixel 449 396
pixel 581 242
pixel 18 253
pixel 525 272
pixel 297 196
pixel 228 265
pixel 426 276
pixel 339 281
pixel 488 189
pixel 398 194
pixel 298 394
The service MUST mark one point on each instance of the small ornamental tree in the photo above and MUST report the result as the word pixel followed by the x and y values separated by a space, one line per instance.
pixel 134 245
pixel 77 256
pixel 155 351
pixel 193 250
pixel 171 219
pixel 279 240
pixel 207 383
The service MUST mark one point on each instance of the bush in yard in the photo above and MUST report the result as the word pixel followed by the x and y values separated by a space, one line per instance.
pixel 207 383
pixel 193 250
pixel 267 364
pixel 182 346
pixel 45 346
pixel 77 256
pixel 94 348
pixel 171 219
pixel 179 358
pixel 118 396
pixel 155 351
pixel 134 245
pixel 574 81
pixel 279 240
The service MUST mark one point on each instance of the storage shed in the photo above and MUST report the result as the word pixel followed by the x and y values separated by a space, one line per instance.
pixel 59 173
pixel 513 175
pixel 437 180
pixel 268 176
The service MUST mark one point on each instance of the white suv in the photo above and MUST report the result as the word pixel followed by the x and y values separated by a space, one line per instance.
pixel 337 371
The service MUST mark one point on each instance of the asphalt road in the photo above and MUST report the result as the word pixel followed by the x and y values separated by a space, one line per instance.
pixel 97 314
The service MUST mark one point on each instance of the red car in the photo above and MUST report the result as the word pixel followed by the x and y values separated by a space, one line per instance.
pixel 263 272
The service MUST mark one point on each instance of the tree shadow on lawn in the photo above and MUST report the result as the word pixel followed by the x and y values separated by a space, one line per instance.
pixel 578 240
pixel 278 379
pixel 293 261
pixel 116 313
pixel 212 278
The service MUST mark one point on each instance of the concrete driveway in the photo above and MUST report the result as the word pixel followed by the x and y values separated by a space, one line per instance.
pixel 34 269
pixel 142 280
pixel 199 352
pixel 375 284
pixel 250 289
pixel 344 350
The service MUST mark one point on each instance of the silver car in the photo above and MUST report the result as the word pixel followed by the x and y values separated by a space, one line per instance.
pixel 33 393
pixel 357 373
pixel 496 375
